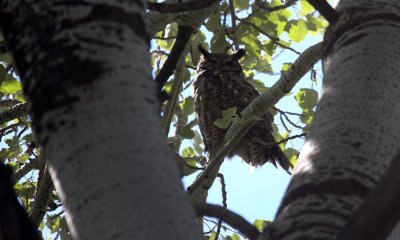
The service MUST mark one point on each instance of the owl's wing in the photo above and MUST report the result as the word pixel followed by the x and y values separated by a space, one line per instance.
pixel 207 111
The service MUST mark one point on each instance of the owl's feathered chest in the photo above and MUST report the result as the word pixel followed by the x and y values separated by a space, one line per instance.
pixel 224 89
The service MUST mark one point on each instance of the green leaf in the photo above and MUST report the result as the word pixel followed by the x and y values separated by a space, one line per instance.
pixel 235 236
pixel 306 7
pixel 260 224
pixel 10 86
pixel 197 140
pixel 188 152
pixel 187 106
pixel 22 158
pixel 307 98
pixel 258 84
pixel 222 123
pixel 218 42
pixel 186 132
pixel 285 67
pixel 298 30
pixel 292 155
pixel 263 66
pixel 229 112
pixel 214 22
pixel 189 167
pixel 241 4
pixel 198 39
pixel 20 97
pixel 307 116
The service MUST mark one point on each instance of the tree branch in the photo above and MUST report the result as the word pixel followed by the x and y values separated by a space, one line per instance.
pixel 41 199
pixel 234 220
pixel 175 90
pixel 184 34
pixel 179 7
pixel 273 39
pixel 325 10
pixel 15 112
pixel 379 213
pixel 258 107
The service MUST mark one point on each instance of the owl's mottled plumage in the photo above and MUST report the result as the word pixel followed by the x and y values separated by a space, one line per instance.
pixel 220 84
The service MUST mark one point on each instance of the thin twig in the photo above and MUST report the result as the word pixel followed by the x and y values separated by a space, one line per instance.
pixel 291 137
pixel 273 39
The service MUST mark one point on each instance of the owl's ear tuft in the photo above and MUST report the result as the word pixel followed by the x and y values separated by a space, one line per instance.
pixel 204 52
pixel 239 54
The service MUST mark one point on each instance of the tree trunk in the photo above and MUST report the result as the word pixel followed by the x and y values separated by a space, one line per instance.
pixel 356 130
pixel 86 72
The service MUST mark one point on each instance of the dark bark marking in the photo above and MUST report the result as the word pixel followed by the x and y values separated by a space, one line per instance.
pixel 352 18
pixel 339 187
pixel 60 68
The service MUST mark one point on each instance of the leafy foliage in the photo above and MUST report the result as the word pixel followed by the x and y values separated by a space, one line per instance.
pixel 263 34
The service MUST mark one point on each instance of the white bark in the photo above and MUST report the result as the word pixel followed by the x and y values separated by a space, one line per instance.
pixel 95 114
pixel 356 129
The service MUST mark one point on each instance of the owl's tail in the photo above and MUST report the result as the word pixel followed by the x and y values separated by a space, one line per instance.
pixel 276 155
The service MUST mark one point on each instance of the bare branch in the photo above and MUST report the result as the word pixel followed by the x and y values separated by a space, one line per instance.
pixel 184 34
pixel 325 10
pixel 231 218
pixel 291 137
pixel 379 213
pixel 179 7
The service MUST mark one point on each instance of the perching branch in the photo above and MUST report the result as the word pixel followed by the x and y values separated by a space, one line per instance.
pixel 258 107
pixel 326 10
pixel 184 34
pixel 379 213
pixel 234 220
pixel 267 8
pixel 179 7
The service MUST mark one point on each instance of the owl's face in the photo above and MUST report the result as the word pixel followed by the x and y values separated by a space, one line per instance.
pixel 220 61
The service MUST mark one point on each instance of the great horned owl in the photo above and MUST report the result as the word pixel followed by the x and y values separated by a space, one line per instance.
pixel 220 84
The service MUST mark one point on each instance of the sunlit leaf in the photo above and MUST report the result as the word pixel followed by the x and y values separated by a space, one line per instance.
pixel 260 224
pixel 306 7
pixel 187 106
pixel 298 30
pixel 10 86
pixel 307 98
